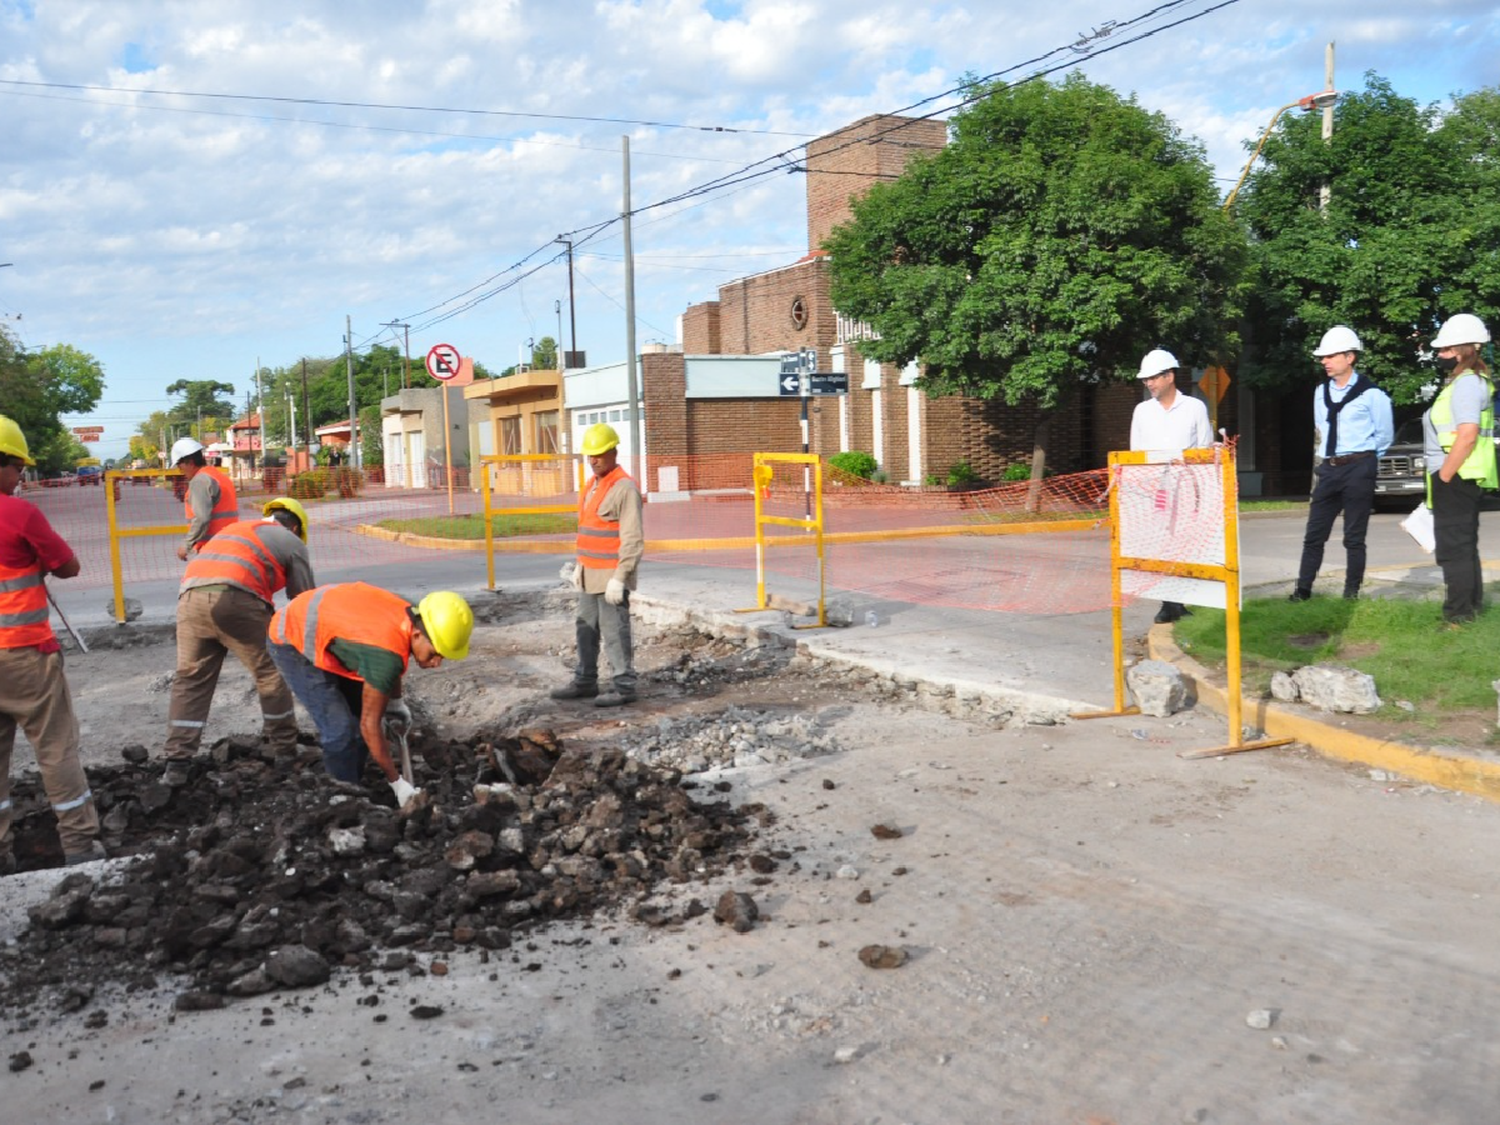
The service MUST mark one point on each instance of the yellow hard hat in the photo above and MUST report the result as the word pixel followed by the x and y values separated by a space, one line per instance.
pixel 599 438
pixel 448 622
pixel 13 441
pixel 287 504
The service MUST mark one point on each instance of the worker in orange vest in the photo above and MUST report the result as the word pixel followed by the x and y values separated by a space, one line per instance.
pixel 225 605
pixel 33 690
pixel 611 540
pixel 343 650
pixel 210 503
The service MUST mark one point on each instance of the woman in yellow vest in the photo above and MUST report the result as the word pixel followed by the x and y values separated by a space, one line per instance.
pixel 1459 439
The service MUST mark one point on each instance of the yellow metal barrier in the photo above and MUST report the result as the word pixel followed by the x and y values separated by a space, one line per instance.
pixel 524 468
pixel 1227 571
pixel 111 479
pixel 762 473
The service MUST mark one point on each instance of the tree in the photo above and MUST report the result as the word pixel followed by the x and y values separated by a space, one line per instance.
pixel 36 388
pixel 544 355
pixel 1062 233
pixel 1410 234
pixel 202 406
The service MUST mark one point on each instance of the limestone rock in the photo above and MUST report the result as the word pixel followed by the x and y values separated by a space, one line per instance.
pixel 1331 688
pixel 1284 688
pixel 1158 687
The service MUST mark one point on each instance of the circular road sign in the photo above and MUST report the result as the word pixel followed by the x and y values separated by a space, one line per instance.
pixel 443 362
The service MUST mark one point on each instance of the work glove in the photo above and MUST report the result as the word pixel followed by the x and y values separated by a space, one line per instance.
pixel 614 593
pixel 398 714
pixel 405 792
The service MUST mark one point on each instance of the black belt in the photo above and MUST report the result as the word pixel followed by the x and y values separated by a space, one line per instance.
pixel 1348 458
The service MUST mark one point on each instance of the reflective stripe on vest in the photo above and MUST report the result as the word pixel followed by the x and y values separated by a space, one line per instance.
pixel 237 556
pixel 226 511
pixel 599 539
pixel 1480 465
pixel 23 608
pixel 349 611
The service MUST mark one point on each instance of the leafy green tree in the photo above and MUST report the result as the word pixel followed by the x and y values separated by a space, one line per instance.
pixel 205 405
pixel 36 388
pixel 1064 232
pixel 1410 235
pixel 371 440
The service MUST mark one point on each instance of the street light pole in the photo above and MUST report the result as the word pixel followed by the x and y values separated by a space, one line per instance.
pixel 572 317
pixel 1323 100
pixel 1326 191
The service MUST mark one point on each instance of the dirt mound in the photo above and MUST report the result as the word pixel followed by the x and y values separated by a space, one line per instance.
pixel 263 873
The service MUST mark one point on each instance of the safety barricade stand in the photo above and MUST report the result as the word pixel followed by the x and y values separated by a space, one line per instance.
pixel 528 465
pixel 763 473
pixel 1174 532
pixel 112 478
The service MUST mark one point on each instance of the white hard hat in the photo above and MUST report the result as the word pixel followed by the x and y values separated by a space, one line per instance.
pixel 1465 328
pixel 1339 338
pixel 184 447
pixel 1156 361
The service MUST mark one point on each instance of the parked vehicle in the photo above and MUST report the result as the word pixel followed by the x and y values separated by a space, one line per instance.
pixel 90 474
pixel 1402 475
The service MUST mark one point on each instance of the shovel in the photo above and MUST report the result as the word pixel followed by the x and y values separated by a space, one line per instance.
pixel 395 735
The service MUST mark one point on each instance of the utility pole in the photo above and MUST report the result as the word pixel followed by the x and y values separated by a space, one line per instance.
pixel 572 314
pixel 635 414
pixel 557 359
pixel 306 415
pixel 260 399
pixel 353 409
pixel 406 374
pixel 1326 191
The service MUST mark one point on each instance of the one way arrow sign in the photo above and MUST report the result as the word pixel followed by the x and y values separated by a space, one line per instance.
pixel 790 384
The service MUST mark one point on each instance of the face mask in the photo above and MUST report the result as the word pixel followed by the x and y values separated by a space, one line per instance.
pixel 1447 363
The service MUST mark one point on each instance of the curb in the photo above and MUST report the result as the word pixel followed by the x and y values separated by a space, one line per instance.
pixel 1457 771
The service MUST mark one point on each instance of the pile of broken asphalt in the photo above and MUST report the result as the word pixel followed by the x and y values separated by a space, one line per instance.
pixel 262 873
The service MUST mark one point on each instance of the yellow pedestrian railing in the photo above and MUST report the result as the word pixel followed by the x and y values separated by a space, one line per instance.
pixel 117 533
pixel 773 477
pixel 524 476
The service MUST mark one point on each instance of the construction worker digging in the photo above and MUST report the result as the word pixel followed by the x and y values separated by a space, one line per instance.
pixel 343 649
pixel 210 503
pixel 224 605
pixel 33 690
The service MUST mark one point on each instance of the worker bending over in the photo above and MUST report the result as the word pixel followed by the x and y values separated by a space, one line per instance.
pixel 210 503
pixel 33 690
pixel 224 605
pixel 343 650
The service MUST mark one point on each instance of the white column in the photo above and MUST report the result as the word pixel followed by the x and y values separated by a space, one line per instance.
pixel 913 435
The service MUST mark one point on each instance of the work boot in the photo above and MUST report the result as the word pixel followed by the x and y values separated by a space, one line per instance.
pixel 94 851
pixel 574 690
pixel 1299 595
pixel 175 775
pixel 1351 595
pixel 615 699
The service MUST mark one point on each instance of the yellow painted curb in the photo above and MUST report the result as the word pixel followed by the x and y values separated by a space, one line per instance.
pixel 1436 767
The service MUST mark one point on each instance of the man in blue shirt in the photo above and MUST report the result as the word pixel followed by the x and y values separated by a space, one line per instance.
pixel 1352 420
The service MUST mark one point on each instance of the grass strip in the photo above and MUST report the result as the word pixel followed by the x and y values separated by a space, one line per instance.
pixel 472 526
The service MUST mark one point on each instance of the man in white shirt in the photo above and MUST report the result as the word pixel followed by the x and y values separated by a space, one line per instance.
pixel 1168 421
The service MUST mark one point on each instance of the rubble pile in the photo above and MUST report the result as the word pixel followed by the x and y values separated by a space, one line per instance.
pixel 736 737
pixel 261 874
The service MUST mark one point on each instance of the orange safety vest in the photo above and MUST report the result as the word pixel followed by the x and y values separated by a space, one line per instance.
pixel 227 511
pixel 599 539
pixel 237 556
pixel 344 611
pixel 23 608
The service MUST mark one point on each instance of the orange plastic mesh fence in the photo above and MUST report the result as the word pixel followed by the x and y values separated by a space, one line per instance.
pixel 927 545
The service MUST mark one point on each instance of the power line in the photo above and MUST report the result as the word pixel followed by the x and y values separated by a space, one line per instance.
pixel 285 100
pixel 1083 49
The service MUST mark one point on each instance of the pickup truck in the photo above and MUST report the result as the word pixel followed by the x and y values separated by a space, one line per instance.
pixel 1402 475
pixel 90 474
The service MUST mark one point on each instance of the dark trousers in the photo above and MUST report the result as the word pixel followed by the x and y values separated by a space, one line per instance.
pixel 1455 527
pixel 1350 489
pixel 334 702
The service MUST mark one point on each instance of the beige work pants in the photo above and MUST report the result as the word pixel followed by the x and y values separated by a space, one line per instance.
pixel 211 623
pixel 34 696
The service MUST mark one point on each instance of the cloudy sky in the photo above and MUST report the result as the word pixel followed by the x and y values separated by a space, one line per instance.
pixel 187 185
